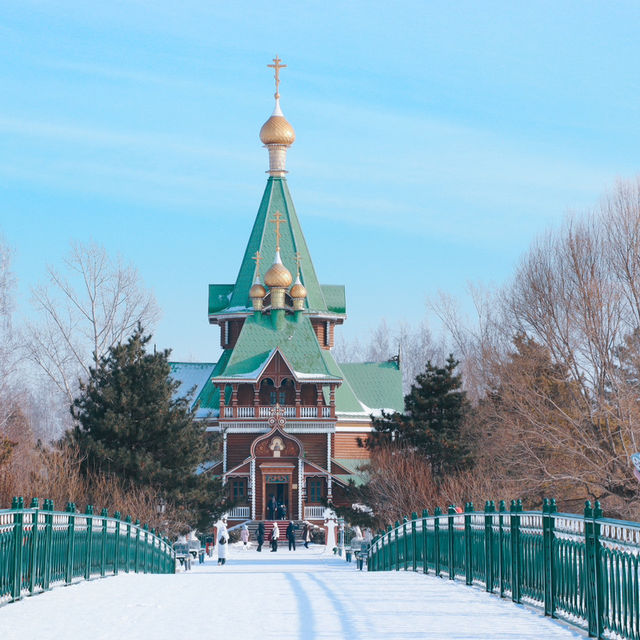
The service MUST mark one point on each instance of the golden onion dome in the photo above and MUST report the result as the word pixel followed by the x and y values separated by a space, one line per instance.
pixel 257 291
pixel 298 290
pixel 278 275
pixel 277 130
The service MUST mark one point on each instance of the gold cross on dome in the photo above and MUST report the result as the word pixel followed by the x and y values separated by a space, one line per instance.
pixel 257 258
pixel 298 259
pixel 277 66
pixel 277 220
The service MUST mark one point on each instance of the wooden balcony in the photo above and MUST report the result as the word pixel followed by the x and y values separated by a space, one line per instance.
pixel 240 412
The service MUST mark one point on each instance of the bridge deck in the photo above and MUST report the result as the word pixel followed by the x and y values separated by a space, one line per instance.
pixel 283 595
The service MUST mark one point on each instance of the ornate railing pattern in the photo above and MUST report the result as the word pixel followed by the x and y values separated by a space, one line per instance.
pixel 40 547
pixel 583 569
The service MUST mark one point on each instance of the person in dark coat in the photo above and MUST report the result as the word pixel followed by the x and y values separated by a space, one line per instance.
pixel 282 511
pixel 260 535
pixel 291 535
pixel 272 507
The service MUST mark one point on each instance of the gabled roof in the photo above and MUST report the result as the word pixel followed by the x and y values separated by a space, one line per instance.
pixel 262 335
pixel 235 298
pixel 378 385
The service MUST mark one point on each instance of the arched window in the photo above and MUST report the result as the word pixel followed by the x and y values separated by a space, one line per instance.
pixel 267 392
pixel 287 392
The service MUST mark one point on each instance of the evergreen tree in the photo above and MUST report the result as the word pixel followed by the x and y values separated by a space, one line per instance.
pixel 130 423
pixel 433 421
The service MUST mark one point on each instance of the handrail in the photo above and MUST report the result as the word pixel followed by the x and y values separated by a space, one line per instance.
pixel 40 547
pixel 584 569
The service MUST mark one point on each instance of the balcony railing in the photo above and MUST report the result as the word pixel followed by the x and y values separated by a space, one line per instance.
pixel 265 412
pixel 314 513
pixel 239 513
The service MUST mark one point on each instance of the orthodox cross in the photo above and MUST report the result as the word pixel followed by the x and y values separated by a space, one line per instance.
pixel 298 259
pixel 277 220
pixel 257 258
pixel 277 66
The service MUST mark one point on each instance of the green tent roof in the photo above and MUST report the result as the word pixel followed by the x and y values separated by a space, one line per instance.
pixel 230 298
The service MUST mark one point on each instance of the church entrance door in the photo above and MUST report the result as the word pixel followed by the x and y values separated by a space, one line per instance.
pixel 280 491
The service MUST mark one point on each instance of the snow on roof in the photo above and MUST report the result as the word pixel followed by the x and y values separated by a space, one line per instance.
pixel 190 375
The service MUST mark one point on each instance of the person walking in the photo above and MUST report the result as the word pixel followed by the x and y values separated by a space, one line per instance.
pixel 223 543
pixel 244 536
pixel 306 535
pixel 260 535
pixel 291 535
pixel 272 507
pixel 275 534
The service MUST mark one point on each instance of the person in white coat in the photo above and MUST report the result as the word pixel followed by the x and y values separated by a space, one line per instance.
pixel 244 536
pixel 223 543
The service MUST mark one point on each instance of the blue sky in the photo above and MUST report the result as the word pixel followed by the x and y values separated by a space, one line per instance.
pixel 434 140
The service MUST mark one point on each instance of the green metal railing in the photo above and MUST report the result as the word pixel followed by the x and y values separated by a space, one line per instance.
pixel 40 547
pixel 583 569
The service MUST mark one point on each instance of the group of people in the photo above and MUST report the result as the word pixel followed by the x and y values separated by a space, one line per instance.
pixel 261 536
pixel 276 510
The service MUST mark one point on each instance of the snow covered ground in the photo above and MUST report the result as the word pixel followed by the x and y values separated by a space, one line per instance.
pixel 285 595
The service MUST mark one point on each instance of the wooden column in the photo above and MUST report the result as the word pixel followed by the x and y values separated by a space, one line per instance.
pixel 298 399
pixel 222 388
pixel 332 401
pixel 234 399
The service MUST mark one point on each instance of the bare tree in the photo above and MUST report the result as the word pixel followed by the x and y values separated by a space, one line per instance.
pixel 92 304
pixel 10 391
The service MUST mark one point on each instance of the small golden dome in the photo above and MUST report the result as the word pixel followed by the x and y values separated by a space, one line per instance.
pixel 257 291
pixel 276 130
pixel 298 290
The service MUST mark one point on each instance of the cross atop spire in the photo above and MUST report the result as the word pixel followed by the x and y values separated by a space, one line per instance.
pixel 277 66
pixel 257 258
pixel 278 219
pixel 298 259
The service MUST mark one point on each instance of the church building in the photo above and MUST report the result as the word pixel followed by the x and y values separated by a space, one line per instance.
pixel 289 414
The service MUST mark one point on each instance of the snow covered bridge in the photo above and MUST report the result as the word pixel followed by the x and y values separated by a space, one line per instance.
pixel 298 594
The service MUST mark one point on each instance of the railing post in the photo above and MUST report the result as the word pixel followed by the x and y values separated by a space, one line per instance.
pixel 425 560
pixel 33 551
pixel 597 548
pixel 436 540
pixel 116 552
pixel 468 553
pixel 137 552
pixel 89 517
pixel 71 527
pixel 547 545
pixel 414 541
pixel 48 544
pixel 103 547
pixel 451 512
pixel 145 546
pixel 594 595
pixel 128 557
pixel 502 568
pixel 16 565
pixel 515 552
pixel 405 543
pixel 397 544
pixel 489 508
